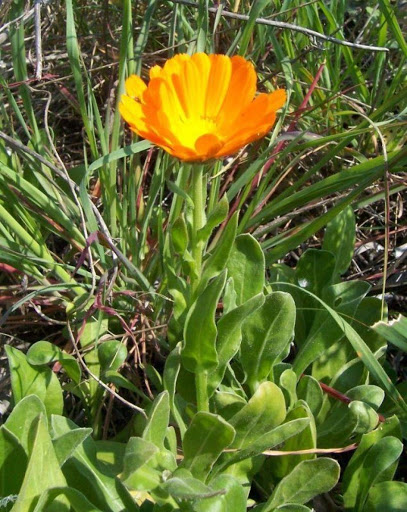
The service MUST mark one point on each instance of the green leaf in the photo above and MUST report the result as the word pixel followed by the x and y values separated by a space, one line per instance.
pixel 189 488
pixel 291 507
pixel 158 418
pixel 264 411
pixel 85 473
pixel 44 352
pixel 390 14
pixel 137 473
pixel 387 497
pixel 76 499
pixel 29 380
pixel 315 270
pixel 170 377
pixel 218 258
pixel 112 355
pixel 371 395
pixel 247 268
pixel 266 337
pixel 367 418
pixel 395 331
pixel 265 442
pixel 179 235
pixel 198 352
pixel 217 215
pixel 21 420
pixel 309 390
pixel 339 239
pixel 175 189
pixel 232 500
pixel 378 459
pixel 351 480
pixel 42 471
pixel 279 467
pixel 66 444
pixel 345 298
pixel 206 438
pixel 13 462
pixel 230 336
pixel 134 148
pixel 307 480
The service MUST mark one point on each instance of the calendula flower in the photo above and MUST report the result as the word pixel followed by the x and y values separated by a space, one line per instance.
pixel 200 107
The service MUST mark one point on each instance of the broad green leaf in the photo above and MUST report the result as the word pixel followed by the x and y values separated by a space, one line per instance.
pixel 137 473
pixel 13 462
pixel 66 444
pixel 395 331
pixel 351 480
pixel 85 473
pixel 288 383
pixel 43 471
pixel 338 426
pixel 247 268
pixel 198 352
pixel 306 439
pixel 307 480
pixel 387 497
pixel 217 215
pixel 379 458
pixel 206 438
pixel 309 390
pixel 369 394
pixel 230 336
pixel 76 499
pixel 266 337
pixel 30 380
pixel 189 488
pixel 366 355
pixel 112 355
pixel 158 418
pixel 339 353
pixel 218 258
pixel 44 352
pixel 339 239
pixel 179 235
pixel 265 442
pixel 367 418
pixel 315 270
pixel 344 298
pixel 233 499
pixel 171 371
pixel 265 410
pixel 21 420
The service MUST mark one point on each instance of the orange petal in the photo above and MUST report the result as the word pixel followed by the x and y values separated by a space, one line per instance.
pixel 218 84
pixel 155 72
pixel 240 94
pixel 207 146
pixel 194 82
pixel 135 86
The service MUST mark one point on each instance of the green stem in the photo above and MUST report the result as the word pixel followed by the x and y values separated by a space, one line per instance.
pixel 201 384
pixel 198 222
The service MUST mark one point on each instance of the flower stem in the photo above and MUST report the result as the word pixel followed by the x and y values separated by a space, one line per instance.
pixel 201 384
pixel 198 222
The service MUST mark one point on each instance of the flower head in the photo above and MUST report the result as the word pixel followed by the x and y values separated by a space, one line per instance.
pixel 200 107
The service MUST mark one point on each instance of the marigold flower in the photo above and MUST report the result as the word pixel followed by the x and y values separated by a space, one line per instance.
pixel 200 107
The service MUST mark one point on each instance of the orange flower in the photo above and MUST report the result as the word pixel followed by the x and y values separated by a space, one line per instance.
pixel 200 107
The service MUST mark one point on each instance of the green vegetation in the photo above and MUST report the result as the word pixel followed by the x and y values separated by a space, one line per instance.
pixel 201 338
